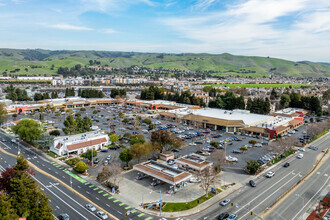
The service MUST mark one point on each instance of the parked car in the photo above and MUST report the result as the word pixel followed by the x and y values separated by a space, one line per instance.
pixel 175 150
pixel 198 142
pixel 109 157
pixel 106 162
pixel 3 140
pixel 64 216
pixel 170 162
pixel 232 217
pixel 194 180
pixel 270 174
pixel 286 165
pixel 97 160
pixel 225 202
pixel 101 215
pixel 232 159
pixel 300 156
pixel 223 216
pixel 261 162
pixel 90 207
pixel 104 150
pixel 237 151
pixel 114 147
pixel 13 140
pixel 252 183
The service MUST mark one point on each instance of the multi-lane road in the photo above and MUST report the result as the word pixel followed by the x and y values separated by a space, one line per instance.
pixel 247 199
pixel 64 200
pixel 268 190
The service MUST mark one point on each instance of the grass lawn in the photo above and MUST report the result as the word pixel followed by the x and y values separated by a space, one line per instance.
pixel 181 206
pixel 260 85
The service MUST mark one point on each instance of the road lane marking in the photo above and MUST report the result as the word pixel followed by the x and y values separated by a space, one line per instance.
pixel 269 196
pixel 326 182
pixel 97 198
pixel 265 191
pixel 107 205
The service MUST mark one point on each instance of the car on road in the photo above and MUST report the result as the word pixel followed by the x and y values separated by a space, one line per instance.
pixel 313 148
pixel 232 217
pixel 301 149
pixel 64 216
pixel 270 174
pixel 252 183
pixel 101 215
pixel 286 165
pixel 90 207
pixel 225 202
pixel 300 156
pixel 3 140
pixel 223 216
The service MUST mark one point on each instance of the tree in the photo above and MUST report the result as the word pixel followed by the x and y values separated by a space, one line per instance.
pixel 138 138
pixel 252 166
pixel 80 167
pixel 285 100
pixel 125 120
pixel 5 178
pixel 88 154
pixel 3 112
pixel 207 177
pixel 243 148
pixel 215 144
pixel 70 125
pixel 104 174
pixel 116 173
pixel 253 142
pixel 219 158
pixel 53 109
pixel 139 150
pixel 28 129
pixel 55 133
pixel 6 210
pixel 125 156
pixel 42 109
pixel 147 121
pixel 95 112
pixel 165 140
pixel 113 138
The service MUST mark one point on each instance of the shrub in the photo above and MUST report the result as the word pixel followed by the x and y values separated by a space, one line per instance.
pixel 55 132
pixel 15 115
pixel 80 167
pixel 214 144
pixel 147 121
pixel 73 161
pixel 82 109
pixel 88 154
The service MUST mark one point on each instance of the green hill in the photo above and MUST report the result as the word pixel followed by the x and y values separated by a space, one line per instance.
pixel 40 61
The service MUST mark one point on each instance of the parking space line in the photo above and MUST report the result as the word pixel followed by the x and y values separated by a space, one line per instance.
pixel 128 207
pixel 140 215
pixel 101 191
pixel 87 183
pixel 133 211
pixel 116 201
pixel 91 186
pixel 96 188
pixel 149 218
pixel 110 197
pixel 106 194
pixel 121 204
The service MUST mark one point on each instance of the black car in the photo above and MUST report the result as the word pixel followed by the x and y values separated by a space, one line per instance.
pixel 223 216
pixel 198 142
pixel 175 150
pixel 114 147
pixel 199 152
pixel 237 151
pixel 286 165
pixel 261 162
pixel 252 183
pixel 97 160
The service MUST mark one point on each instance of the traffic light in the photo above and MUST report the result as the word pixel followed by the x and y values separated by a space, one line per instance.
pixel 232 204
pixel 251 213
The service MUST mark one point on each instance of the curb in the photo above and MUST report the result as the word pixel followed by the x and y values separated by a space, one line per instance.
pixel 60 181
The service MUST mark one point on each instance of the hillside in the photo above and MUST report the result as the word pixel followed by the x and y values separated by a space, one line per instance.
pixel 218 65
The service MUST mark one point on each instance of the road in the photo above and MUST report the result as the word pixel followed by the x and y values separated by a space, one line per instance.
pixel 88 190
pixel 266 192
pixel 305 196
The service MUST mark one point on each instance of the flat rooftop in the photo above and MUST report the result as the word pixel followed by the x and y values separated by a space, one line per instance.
pixel 80 137
pixel 163 102
pixel 289 110
pixel 236 114
pixel 276 121
pixel 162 172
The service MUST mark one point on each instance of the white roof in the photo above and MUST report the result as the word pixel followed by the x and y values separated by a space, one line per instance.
pixel 80 137
pixel 276 121
pixel 236 114
pixel 289 110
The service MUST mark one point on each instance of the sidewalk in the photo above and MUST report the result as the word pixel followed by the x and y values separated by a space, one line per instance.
pixel 216 199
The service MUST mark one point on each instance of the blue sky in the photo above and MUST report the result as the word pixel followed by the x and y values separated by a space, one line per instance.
pixel 289 29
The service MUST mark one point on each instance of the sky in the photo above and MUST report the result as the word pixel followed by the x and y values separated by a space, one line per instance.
pixel 289 29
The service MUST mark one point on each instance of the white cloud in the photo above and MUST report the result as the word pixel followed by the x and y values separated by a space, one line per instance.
pixel 253 27
pixel 112 5
pixel 69 27
pixel 203 4
pixel 109 31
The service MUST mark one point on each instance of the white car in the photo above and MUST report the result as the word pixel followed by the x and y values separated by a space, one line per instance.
pixel 270 174
pixel 299 156
pixel 101 215
pixel 301 149
pixel 13 140
pixel 194 180
pixel 230 158
pixel 192 144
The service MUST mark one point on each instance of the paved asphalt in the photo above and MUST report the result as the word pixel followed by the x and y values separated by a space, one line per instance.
pixel 62 199
pixel 269 189
pixel 305 196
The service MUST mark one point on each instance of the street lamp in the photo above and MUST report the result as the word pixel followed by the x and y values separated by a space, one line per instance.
pixel 303 204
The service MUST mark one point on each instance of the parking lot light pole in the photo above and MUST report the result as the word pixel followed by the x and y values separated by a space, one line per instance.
pixel 303 204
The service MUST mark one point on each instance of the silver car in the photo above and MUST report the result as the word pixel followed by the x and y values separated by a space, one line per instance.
pixel 90 207
pixel 225 202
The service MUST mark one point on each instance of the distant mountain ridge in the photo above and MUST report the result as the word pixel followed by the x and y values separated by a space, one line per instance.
pixel 217 64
